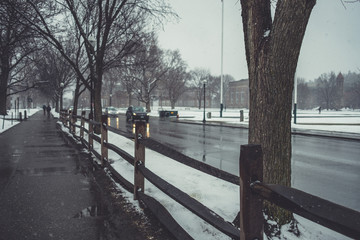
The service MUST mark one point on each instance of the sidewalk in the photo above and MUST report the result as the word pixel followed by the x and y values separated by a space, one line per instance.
pixel 49 190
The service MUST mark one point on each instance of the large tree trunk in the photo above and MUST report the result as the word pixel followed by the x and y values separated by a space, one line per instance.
pixel 97 104
pixel 4 78
pixel 272 51
pixel 3 91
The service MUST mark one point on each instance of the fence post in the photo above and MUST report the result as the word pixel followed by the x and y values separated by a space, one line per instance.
pixel 104 139
pixel 82 124
pixel 91 131
pixel 68 118
pixel 73 121
pixel 64 117
pixel 140 133
pixel 251 215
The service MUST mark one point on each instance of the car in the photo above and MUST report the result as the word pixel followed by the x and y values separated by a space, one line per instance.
pixel 136 113
pixel 112 111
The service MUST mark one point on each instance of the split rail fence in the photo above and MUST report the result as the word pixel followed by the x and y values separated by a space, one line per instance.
pixel 252 189
pixel 20 117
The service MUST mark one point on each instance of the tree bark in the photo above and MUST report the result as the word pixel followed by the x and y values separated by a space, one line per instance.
pixel 272 51
pixel 3 93
pixel 4 78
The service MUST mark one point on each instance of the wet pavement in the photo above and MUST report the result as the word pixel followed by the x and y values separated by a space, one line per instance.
pixel 50 190
pixel 316 160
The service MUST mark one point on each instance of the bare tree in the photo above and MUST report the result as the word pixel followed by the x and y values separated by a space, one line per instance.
pixel 175 79
pixel 16 43
pixel 352 90
pixel 197 78
pixel 100 25
pixel 327 91
pixel 147 70
pixel 55 72
pixel 272 49
pixel 304 97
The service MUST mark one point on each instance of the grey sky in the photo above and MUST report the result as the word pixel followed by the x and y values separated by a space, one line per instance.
pixel 331 43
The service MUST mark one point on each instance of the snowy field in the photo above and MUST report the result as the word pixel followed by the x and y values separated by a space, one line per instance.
pixel 6 124
pixel 220 196
pixel 339 121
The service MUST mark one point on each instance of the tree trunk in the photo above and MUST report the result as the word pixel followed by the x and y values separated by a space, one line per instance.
pixel 3 97
pixel 272 50
pixel 148 107
pixel 97 104
pixel 130 99
pixel 4 78
pixel 76 95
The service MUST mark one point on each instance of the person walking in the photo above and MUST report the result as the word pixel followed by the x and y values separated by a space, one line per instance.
pixel 48 109
pixel 44 108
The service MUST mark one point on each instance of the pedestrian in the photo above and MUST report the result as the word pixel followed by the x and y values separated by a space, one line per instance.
pixel 319 109
pixel 48 109
pixel 44 108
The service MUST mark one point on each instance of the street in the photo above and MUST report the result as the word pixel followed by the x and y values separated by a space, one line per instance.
pixel 322 166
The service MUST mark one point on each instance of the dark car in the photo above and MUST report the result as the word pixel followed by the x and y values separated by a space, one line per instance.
pixel 136 113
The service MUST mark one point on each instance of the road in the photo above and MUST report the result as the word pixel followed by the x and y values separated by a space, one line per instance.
pixel 322 166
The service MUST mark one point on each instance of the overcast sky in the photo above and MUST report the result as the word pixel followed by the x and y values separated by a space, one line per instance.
pixel 331 43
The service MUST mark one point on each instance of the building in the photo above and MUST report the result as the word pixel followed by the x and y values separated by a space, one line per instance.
pixel 238 94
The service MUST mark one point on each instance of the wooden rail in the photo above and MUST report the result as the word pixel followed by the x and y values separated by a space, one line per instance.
pixel 252 189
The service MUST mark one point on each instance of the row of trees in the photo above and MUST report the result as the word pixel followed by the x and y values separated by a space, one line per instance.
pixel 92 45
pixel 330 91
pixel 76 42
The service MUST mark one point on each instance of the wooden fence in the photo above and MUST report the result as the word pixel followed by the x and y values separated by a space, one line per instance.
pixel 252 189
pixel 12 118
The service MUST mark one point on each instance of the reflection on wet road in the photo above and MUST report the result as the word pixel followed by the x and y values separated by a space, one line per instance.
pixel 216 146
pixel 322 166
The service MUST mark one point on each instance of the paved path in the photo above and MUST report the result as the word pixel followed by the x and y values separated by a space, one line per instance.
pixel 50 190
pixel 44 191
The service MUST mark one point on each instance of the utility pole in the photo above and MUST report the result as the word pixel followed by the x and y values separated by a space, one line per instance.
pixel 222 59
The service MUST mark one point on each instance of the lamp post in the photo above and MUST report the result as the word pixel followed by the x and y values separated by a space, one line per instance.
pixel 222 59
pixel 295 99
pixel 61 95
pixel 204 82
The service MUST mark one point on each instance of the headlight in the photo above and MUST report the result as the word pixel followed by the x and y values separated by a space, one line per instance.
pixel 134 114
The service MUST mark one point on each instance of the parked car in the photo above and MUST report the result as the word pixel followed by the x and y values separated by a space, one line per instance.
pixel 112 111
pixel 136 113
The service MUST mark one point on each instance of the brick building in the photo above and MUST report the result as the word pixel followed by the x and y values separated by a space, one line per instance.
pixel 238 95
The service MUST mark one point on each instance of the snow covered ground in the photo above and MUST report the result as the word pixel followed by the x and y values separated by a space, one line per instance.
pixel 6 124
pixel 220 196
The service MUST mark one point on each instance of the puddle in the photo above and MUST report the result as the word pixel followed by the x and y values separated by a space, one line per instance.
pixel 44 171
pixel 92 211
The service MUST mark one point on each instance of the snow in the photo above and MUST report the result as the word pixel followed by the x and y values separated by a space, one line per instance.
pixel 218 195
pixel 6 124
pixel 266 33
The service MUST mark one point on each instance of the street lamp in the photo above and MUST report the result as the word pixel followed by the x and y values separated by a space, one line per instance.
pixel 222 59
pixel 204 82
pixel 61 95
pixel 295 99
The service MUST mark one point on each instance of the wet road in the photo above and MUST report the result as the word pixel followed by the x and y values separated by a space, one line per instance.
pixel 323 166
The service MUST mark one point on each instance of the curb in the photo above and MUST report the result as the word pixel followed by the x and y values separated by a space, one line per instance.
pixel 294 131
